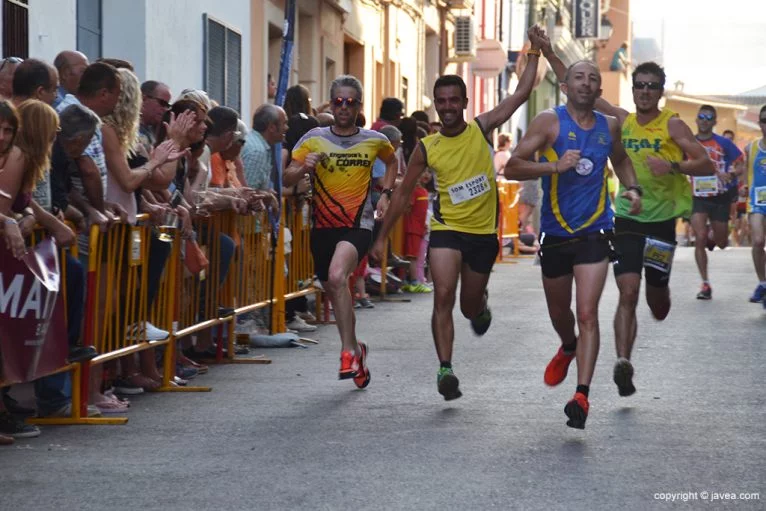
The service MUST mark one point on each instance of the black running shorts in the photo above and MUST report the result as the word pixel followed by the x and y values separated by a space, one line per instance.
pixel 716 208
pixel 559 255
pixel 324 241
pixel 479 251
pixel 629 242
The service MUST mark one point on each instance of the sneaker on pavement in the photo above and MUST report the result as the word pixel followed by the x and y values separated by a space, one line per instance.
pixel 125 387
pixel 307 317
pixel 299 325
pixel 420 288
pixel 577 411
pixel 448 384
pixel 623 377
pixel 16 428
pixel 362 378
pixel 349 365
pixel 145 331
pixel 557 368
pixel 364 303
pixel 66 411
pixel 706 292
pixel 759 294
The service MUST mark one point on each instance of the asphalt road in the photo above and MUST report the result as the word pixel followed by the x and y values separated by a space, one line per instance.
pixel 291 436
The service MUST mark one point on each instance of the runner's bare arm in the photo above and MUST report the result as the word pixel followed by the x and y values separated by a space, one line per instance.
pixel 560 69
pixel 698 163
pixel 623 167
pixel 388 183
pixel 401 196
pixel 502 112
pixel 540 135
pixel 297 169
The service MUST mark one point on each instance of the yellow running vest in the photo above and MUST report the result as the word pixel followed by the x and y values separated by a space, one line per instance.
pixel 667 196
pixel 464 177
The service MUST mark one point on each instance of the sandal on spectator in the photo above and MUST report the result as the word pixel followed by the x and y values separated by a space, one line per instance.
pixel 6 440
pixel 110 406
pixel 146 383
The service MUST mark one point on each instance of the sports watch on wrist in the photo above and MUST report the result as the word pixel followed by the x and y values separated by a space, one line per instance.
pixel 637 189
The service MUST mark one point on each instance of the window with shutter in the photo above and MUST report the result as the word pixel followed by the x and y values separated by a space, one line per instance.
pixel 16 28
pixel 223 63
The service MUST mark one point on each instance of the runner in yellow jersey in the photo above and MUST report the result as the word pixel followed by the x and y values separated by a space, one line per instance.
pixel 463 243
pixel 656 142
pixel 340 158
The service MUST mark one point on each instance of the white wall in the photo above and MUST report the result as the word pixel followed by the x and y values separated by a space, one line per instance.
pixel 52 28
pixel 175 41
pixel 124 33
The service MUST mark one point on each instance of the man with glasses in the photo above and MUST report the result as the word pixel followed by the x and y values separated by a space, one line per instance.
pixel 714 194
pixel 340 159
pixel 756 205
pixel 656 141
pixel 7 68
pixel 156 102
pixel 70 66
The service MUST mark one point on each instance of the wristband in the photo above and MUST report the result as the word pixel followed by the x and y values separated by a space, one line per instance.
pixel 675 166
pixel 637 189
pixel 387 192
pixel 532 51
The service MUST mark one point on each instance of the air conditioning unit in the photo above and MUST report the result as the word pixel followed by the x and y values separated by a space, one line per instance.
pixel 464 43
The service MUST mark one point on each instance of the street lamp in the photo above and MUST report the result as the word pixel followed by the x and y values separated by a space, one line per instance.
pixel 606 29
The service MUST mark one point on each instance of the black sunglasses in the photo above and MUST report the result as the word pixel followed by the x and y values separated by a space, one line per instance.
pixel 349 102
pixel 162 102
pixel 12 60
pixel 647 85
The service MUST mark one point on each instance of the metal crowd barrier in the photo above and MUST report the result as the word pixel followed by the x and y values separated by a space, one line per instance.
pixel 259 276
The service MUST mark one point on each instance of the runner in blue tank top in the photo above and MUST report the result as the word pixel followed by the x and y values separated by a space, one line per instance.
pixel 756 205
pixel 576 224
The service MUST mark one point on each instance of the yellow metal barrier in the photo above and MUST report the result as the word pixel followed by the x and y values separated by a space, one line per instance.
pixel 508 221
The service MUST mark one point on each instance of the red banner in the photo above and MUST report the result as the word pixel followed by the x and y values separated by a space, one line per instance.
pixel 33 335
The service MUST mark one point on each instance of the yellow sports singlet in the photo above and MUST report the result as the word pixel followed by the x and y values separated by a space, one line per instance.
pixel 464 176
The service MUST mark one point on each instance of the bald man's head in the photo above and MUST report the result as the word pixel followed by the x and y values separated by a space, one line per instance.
pixel 70 65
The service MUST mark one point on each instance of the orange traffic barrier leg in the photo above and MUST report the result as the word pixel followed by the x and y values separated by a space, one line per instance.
pixel 231 342
pixel 170 370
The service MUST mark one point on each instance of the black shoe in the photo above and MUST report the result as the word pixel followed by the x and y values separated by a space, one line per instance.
pixel 623 377
pixel 480 323
pixel 448 384
pixel 81 353
pixel 11 426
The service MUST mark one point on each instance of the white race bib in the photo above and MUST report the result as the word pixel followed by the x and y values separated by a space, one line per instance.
pixel 760 196
pixel 658 255
pixel 469 189
pixel 705 186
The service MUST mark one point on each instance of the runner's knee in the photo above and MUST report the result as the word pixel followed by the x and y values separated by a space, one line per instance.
pixel 587 317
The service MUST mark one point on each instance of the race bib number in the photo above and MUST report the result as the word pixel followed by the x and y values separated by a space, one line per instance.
pixel 705 186
pixel 469 189
pixel 658 255
pixel 760 196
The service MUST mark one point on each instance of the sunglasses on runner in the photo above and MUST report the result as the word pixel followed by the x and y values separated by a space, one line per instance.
pixel 12 60
pixel 706 117
pixel 647 85
pixel 349 102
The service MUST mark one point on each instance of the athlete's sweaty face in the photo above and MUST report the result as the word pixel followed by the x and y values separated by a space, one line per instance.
pixel 583 85
pixel 449 104
pixel 646 98
pixel 705 121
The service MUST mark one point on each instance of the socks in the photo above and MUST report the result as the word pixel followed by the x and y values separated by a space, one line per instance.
pixel 446 365
pixel 584 389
